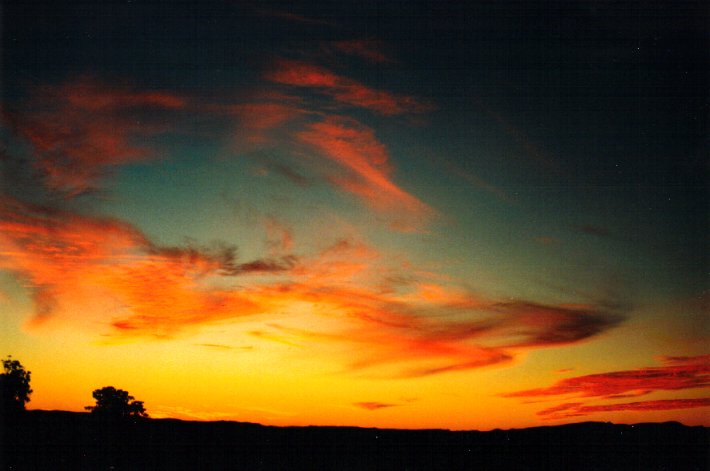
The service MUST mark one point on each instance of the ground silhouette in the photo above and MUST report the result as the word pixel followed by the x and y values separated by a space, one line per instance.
pixel 69 440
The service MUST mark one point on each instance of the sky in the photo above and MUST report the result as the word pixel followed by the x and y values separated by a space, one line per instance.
pixel 420 214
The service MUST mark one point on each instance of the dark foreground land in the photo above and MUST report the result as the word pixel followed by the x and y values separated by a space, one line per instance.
pixel 66 440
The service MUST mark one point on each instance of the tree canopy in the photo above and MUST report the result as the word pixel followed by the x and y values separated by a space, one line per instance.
pixel 14 386
pixel 115 403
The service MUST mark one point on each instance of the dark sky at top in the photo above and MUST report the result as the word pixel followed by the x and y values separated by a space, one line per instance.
pixel 606 94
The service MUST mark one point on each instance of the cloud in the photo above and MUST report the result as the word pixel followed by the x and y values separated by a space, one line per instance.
pixel 290 174
pixel 531 149
pixel 81 128
pixel 419 334
pixel 256 120
pixel 80 265
pixel 373 405
pixel 577 409
pixel 536 325
pixel 678 374
pixel 224 347
pixel 342 89
pixel 279 237
pixel 103 273
pixel 368 49
pixel 364 164
pixel 477 181
pixel 271 265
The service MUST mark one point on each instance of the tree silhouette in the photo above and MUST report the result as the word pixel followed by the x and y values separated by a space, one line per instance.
pixel 116 404
pixel 14 386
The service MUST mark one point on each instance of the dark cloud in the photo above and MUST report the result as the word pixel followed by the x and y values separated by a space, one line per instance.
pixel 280 264
pixel 538 325
pixel 222 258
pixel 290 174
pixel 373 405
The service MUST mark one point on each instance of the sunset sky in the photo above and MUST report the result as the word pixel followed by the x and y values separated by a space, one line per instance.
pixel 411 214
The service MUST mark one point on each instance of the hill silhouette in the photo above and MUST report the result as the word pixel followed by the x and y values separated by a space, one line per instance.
pixel 70 440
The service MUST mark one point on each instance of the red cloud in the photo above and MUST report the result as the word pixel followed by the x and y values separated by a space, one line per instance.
pixel 356 150
pixel 343 89
pixel 257 119
pixel 576 409
pixel 80 128
pixel 91 95
pixel 367 49
pixel 680 373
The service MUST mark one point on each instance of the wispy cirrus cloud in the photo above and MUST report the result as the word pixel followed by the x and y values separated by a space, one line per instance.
pixel 373 405
pixel 578 409
pixel 105 273
pixel 343 89
pixel 572 324
pixel 109 267
pixel 396 335
pixel 81 128
pixel 84 265
pixel 678 373
pixel 368 49
pixel 364 161
pixel 256 120
pixel 288 172
pixel 477 181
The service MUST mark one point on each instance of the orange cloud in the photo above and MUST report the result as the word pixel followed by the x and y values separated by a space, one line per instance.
pixel 365 161
pixel 343 89
pixel 82 127
pixel 104 272
pixel 75 263
pixel 427 331
pixel 279 236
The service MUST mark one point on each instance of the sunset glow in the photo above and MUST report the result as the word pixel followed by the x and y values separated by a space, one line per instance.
pixel 445 217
